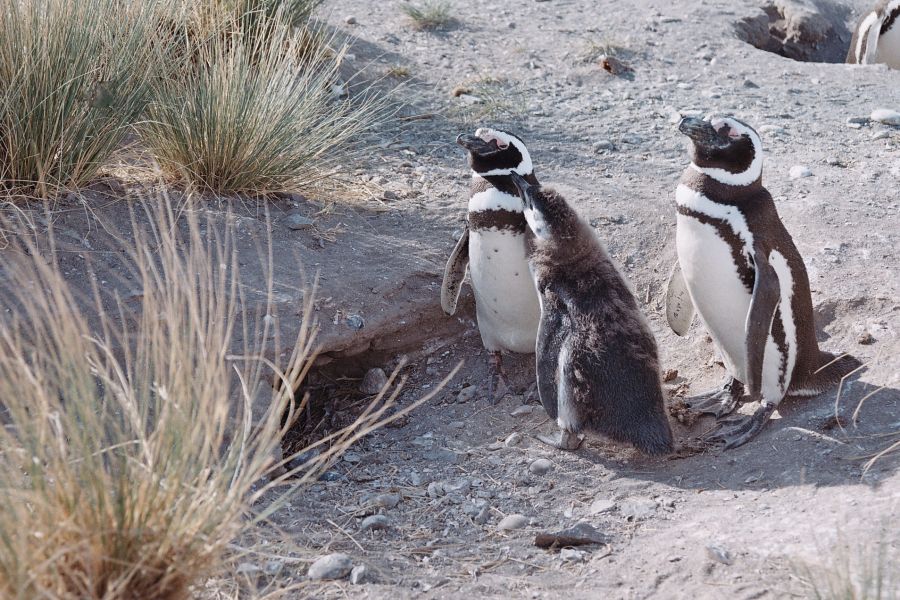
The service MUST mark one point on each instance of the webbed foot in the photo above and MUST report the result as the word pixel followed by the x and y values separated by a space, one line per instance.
pixel 720 402
pixel 565 440
pixel 737 431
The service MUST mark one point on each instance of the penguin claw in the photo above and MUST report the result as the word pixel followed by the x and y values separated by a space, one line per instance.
pixel 737 431
pixel 719 403
pixel 564 440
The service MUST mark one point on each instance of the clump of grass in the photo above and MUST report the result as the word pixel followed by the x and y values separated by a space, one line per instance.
pixel 258 114
pixel 75 75
pixel 866 570
pixel 126 469
pixel 399 72
pixel 431 14
pixel 487 99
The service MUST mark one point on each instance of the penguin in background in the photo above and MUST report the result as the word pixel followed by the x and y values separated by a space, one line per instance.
pixel 876 38
pixel 597 361
pixel 740 270
pixel 492 248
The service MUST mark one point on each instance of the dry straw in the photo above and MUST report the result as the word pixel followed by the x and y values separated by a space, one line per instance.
pixel 135 438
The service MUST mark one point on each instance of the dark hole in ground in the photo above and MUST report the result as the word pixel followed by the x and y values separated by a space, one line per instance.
pixel 808 31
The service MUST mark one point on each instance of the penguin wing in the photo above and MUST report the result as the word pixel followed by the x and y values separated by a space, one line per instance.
pixel 679 306
pixel 549 343
pixel 455 273
pixel 765 299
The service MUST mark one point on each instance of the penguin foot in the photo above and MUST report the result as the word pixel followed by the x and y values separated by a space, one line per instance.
pixel 565 440
pixel 720 402
pixel 737 431
pixel 496 392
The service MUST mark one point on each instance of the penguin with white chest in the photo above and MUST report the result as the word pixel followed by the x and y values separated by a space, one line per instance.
pixel 597 361
pixel 746 280
pixel 492 247
pixel 877 36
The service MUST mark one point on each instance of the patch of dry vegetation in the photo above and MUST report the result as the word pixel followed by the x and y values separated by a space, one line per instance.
pixel 430 15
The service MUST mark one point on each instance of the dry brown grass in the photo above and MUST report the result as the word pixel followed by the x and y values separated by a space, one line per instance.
pixel 136 439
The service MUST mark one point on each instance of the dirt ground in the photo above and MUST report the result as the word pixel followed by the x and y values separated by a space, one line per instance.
pixel 709 524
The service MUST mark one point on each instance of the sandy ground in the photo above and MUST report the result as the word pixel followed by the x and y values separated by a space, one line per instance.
pixel 736 524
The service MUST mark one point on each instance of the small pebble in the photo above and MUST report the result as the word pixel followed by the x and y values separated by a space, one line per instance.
pixel 857 122
pixel 330 566
pixel 749 84
pixel 886 116
pixel 719 554
pixel 466 394
pixel 522 410
pixel 670 374
pixel 540 466
pixel 387 500
pixel 355 322
pixel 298 222
pixel 866 339
pixel 361 574
pixel 571 555
pixel 881 135
pixel 389 195
pixel 373 381
pixel 603 145
pixel 512 439
pixel 436 489
pixel 350 20
pixel 483 515
pixel 638 509
pixel 514 521
pixel 374 522
pixel 601 505
pixel 800 171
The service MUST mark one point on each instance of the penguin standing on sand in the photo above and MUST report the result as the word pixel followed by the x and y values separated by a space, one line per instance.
pixel 877 36
pixel 597 362
pixel 492 247
pixel 746 280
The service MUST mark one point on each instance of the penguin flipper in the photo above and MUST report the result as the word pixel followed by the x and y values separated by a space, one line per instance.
pixel 549 343
pixel 679 306
pixel 765 299
pixel 455 273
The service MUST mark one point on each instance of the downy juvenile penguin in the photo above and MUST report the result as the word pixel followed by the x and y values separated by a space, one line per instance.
pixel 597 362
pixel 877 36
pixel 746 279
pixel 492 246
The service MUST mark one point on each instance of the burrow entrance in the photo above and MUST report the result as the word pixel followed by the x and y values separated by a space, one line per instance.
pixel 808 31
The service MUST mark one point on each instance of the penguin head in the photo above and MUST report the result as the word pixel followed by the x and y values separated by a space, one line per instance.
pixel 496 153
pixel 724 148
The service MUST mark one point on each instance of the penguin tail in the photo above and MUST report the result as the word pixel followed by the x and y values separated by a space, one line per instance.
pixel 834 368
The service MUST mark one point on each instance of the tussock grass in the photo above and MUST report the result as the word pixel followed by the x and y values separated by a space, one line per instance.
pixel 75 74
pixel 865 570
pixel 258 114
pixel 431 14
pixel 136 437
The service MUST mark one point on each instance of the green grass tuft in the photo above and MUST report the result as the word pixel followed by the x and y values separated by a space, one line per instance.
pixel 432 14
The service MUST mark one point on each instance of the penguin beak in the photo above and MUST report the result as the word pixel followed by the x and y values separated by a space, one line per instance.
pixel 475 144
pixel 524 188
pixel 702 132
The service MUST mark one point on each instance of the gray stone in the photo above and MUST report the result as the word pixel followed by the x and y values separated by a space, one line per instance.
pixel 749 84
pixel 881 135
pixel 350 20
pixel 361 574
pixel 601 505
pixel 373 381
pixel 436 489
pixel 483 515
pixel 512 439
pixel 540 467
pixel 603 145
pixel 389 195
pixel 800 171
pixel 886 116
pixel 466 394
pixel 246 568
pixel 299 222
pixel 514 521
pixel 387 500
pixel 355 322
pixel 719 554
pixel 572 555
pixel 638 509
pixel 330 566
pixel 374 522
pixel 522 410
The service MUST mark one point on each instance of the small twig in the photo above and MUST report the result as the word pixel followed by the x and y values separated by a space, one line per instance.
pixel 344 531
pixel 419 117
